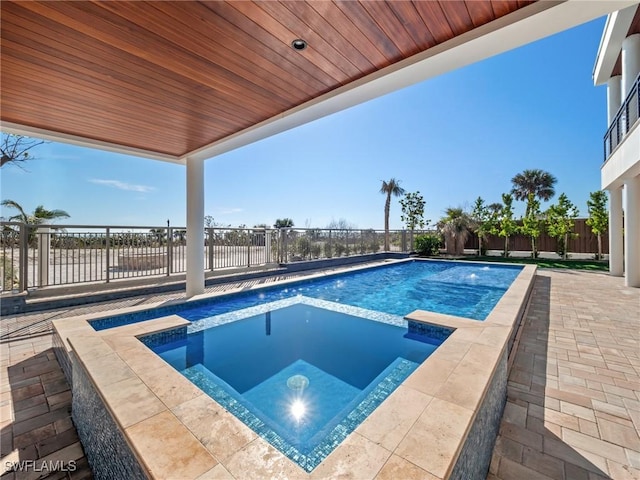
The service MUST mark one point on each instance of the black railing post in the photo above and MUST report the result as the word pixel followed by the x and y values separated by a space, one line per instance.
pixel 622 122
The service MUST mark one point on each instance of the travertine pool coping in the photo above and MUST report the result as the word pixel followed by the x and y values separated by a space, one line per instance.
pixel 177 431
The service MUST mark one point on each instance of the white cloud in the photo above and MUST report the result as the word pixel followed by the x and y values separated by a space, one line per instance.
pixel 226 211
pixel 122 185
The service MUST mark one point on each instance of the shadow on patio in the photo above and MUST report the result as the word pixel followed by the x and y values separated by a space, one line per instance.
pixel 39 439
pixel 550 428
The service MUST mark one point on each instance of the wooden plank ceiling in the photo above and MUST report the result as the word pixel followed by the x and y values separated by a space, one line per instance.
pixel 171 77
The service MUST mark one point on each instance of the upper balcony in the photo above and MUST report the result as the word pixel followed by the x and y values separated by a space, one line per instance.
pixel 624 120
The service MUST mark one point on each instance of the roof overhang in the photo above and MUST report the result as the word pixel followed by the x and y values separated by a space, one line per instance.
pixel 615 31
pixel 522 26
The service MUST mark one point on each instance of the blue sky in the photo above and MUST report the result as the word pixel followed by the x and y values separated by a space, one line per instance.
pixel 453 138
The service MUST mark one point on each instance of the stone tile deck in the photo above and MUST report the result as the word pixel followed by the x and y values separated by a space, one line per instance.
pixel 573 408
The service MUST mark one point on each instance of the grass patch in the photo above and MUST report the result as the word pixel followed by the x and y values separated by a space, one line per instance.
pixel 592 265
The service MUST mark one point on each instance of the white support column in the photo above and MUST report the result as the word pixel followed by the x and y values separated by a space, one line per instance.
pixel 616 256
pixel 614 97
pixel 195 226
pixel 630 62
pixel 632 232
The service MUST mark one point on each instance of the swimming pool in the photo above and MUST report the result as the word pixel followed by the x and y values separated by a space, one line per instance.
pixel 463 289
pixel 302 377
pixel 459 389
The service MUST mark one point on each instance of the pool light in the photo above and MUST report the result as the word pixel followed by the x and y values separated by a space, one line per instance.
pixel 298 409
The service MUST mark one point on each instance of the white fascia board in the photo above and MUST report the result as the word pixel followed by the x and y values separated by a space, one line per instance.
pixel 615 31
pixel 16 129
pixel 521 27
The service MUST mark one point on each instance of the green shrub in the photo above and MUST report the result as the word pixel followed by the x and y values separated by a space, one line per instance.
pixel 9 278
pixel 428 244
pixel 328 250
pixel 303 247
pixel 316 250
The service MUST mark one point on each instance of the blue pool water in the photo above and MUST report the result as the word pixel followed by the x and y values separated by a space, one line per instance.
pixel 467 290
pixel 302 377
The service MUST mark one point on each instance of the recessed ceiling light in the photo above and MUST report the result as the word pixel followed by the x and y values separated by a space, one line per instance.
pixel 299 44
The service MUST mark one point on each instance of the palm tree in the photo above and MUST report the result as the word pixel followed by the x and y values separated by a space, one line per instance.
pixel 283 223
pixel 39 216
pixel 535 182
pixel 392 187
pixel 455 226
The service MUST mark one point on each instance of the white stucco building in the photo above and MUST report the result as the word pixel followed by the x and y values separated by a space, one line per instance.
pixel 618 66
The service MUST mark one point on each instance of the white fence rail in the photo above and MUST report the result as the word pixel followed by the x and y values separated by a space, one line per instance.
pixel 38 256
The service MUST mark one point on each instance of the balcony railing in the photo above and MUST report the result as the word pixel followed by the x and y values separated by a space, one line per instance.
pixel 626 117
pixel 37 256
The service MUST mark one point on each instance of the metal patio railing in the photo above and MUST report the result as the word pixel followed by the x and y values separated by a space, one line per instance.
pixel 626 117
pixel 38 256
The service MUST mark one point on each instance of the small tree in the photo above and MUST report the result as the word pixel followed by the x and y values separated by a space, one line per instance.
pixel 560 223
pixel 413 210
pixel 484 220
pixel 413 213
pixel 15 149
pixel 505 225
pixel 532 223
pixel 598 217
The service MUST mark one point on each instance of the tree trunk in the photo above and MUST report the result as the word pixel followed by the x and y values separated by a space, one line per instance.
pixel 460 241
pixel 533 247
pixel 506 247
pixel 387 207
pixel 479 246
pixel 566 246
pixel 599 246
pixel 450 243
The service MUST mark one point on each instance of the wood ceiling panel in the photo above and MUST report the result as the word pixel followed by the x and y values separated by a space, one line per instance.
pixel 361 18
pixel 412 21
pixel 214 47
pixel 88 83
pixel 280 23
pixel 128 37
pixel 457 16
pixel 360 43
pixel 254 33
pixel 503 7
pixel 79 62
pixel 434 17
pixel 480 12
pixel 172 77
pixel 331 40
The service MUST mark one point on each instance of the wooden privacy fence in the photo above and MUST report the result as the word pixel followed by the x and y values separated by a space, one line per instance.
pixel 585 242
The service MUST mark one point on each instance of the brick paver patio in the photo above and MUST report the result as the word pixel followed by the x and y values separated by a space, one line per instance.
pixel 573 409
pixel 573 406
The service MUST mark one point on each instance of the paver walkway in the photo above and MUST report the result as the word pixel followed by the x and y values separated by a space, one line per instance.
pixel 573 405
pixel 573 408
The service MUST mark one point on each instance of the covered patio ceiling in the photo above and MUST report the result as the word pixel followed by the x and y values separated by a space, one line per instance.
pixel 174 80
